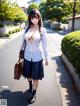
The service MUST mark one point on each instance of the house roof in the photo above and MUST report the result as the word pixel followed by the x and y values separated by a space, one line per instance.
pixel 76 17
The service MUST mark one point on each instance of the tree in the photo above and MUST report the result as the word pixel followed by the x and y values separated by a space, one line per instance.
pixel 32 6
pixel 11 12
pixel 54 10
pixel 43 1
pixel 4 11
pixel 20 15
pixel 70 3
pixel 42 7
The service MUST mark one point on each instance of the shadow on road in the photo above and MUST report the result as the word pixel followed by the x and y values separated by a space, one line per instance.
pixel 17 98
pixel 63 32
pixel 60 32
pixel 67 83
pixel 50 31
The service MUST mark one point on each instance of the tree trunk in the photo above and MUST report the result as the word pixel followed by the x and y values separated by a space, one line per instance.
pixel 74 13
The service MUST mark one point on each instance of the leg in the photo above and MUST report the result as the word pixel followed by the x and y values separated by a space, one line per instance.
pixel 33 94
pixel 29 79
pixel 35 84
pixel 30 84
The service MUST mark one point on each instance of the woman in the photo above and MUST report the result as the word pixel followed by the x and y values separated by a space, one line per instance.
pixel 33 58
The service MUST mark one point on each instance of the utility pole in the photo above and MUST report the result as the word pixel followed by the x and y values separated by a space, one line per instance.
pixel 74 14
pixel 0 2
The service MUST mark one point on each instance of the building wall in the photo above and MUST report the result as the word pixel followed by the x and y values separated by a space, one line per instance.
pixel 77 24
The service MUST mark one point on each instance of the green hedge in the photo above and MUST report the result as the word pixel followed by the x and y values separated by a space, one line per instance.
pixel 13 31
pixel 70 46
pixel 1 25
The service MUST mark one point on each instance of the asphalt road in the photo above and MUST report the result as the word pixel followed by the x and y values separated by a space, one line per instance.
pixel 15 91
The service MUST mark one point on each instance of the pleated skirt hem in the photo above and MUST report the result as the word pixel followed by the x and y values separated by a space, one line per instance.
pixel 33 70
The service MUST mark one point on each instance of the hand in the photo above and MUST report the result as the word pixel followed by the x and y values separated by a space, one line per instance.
pixel 46 62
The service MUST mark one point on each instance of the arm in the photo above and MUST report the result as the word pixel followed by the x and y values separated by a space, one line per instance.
pixel 21 52
pixel 44 45
pixel 23 37
pixel 22 40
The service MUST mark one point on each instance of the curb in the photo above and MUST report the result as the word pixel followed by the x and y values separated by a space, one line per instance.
pixel 73 71
pixel 62 90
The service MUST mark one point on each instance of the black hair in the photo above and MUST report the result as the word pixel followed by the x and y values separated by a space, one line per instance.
pixel 34 13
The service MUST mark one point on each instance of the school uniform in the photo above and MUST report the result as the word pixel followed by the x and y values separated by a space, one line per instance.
pixel 33 57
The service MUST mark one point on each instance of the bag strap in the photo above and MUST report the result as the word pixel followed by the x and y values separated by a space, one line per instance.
pixel 24 45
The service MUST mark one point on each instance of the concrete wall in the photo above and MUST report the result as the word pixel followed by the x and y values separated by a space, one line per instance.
pixel 5 30
pixel 77 24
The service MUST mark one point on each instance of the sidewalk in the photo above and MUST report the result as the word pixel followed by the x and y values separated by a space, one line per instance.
pixel 69 95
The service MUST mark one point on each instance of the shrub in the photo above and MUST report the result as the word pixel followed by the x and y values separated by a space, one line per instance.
pixel 13 31
pixel 64 21
pixel 17 30
pixel 10 32
pixel 1 25
pixel 70 46
pixel 7 35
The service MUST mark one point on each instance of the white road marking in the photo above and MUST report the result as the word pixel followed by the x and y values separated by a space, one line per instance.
pixel 4 86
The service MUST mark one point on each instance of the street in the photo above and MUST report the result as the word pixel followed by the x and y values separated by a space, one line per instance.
pixel 49 93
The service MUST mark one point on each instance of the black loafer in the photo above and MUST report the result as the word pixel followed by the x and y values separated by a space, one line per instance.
pixel 32 98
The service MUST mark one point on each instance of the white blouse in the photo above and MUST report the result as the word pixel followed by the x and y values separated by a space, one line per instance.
pixel 33 50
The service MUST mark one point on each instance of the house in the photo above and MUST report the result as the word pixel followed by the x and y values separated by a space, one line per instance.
pixel 77 23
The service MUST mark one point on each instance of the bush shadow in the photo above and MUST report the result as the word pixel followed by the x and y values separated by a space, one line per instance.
pixel 61 32
pixel 66 81
pixel 17 98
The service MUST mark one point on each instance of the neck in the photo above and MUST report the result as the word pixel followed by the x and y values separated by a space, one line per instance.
pixel 35 27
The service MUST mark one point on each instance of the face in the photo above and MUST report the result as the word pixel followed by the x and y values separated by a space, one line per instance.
pixel 35 20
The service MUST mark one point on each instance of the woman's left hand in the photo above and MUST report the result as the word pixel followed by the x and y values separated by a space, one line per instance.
pixel 46 62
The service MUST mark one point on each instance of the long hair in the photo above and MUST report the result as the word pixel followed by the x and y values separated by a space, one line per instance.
pixel 34 13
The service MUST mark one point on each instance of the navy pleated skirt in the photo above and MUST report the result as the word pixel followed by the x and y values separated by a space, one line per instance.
pixel 33 70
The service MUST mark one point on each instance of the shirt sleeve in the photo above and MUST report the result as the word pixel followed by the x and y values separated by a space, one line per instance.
pixel 22 39
pixel 44 43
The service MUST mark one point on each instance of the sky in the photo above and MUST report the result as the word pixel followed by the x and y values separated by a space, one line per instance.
pixel 23 2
